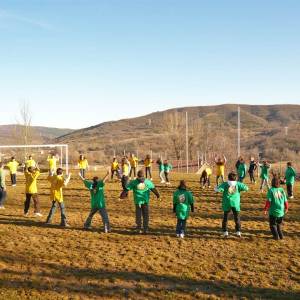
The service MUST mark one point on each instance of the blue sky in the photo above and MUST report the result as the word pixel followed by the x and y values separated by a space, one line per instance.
pixel 82 62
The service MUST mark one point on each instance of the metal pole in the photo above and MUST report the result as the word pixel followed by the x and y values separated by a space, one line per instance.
pixel 239 132
pixel 61 156
pixel 67 159
pixel 187 141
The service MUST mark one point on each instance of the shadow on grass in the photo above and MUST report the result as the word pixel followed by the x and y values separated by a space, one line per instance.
pixel 123 284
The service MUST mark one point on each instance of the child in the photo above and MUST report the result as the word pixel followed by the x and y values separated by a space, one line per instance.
pixel 277 205
pixel 83 165
pixel 242 170
pixel 205 177
pixel 231 201
pixel 182 201
pixel 161 170
pixel 220 165
pixel 290 175
pixel 167 168
pixel 114 168
pixel 13 166
pixel 31 176
pixel 30 162
pixel 148 166
pixel 96 188
pixel 52 161
pixel 57 183
pixel 141 188
pixel 2 186
pixel 264 175
pixel 252 168
pixel 125 168
pixel 133 165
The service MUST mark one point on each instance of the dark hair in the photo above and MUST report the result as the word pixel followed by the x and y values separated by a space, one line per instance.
pixel 95 182
pixel 232 176
pixel 140 174
pixel 182 185
pixel 289 163
pixel 59 171
pixel 12 157
pixel 276 181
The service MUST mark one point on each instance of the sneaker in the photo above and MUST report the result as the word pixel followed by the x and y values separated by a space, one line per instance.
pixel 292 197
pixel 38 214
pixel 26 214
pixel 181 235
pixel 225 234
pixel 14 185
pixel 238 233
pixel 65 225
pixel 106 230
pixel 162 181
pixel 178 235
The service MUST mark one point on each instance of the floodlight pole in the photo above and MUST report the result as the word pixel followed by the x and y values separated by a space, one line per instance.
pixel 187 141
pixel 67 159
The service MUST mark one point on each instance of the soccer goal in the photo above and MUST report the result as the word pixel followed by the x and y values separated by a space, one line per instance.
pixel 62 150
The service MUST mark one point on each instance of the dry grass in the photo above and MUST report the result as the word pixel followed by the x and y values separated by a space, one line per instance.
pixel 48 262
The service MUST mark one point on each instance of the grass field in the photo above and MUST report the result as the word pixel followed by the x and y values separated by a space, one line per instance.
pixel 48 262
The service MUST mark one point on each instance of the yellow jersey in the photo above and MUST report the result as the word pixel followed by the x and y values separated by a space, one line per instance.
pixel 125 169
pixel 52 162
pixel 30 163
pixel 220 169
pixel 13 166
pixel 83 164
pixel 31 182
pixel 148 162
pixel 57 183
pixel 208 171
pixel 115 166
pixel 133 162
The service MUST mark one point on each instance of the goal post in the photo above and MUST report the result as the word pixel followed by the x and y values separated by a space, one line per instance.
pixel 64 151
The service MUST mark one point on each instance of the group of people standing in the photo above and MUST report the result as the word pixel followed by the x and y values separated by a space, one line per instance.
pixel 183 200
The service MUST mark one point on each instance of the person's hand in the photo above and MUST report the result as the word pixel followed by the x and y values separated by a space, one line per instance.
pixel 265 212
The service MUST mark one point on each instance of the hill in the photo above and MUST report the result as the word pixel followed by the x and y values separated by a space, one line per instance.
pixel 212 129
pixel 10 134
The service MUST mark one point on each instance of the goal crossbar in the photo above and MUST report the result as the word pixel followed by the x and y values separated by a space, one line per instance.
pixel 61 146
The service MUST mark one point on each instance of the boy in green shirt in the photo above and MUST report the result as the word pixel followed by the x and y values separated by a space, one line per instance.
pixel 264 175
pixel 161 170
pixel 182 201
pixel 167 168
pixel 231 201
pixel 277 205
pixel 141 188
pixel 242 170
pixel 96 188
pixel 290 176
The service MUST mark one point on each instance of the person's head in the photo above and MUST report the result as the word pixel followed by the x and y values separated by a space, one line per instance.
pixel 59 171
pixel 114 159
pixel 219 160
pixel 182 185
pixel 147 156
pixel 289 164
pixel 95 181
pixel 81 157
pixel 275 181
pixel 123 161
pixel 140 174
pixel 30 157
pixel 252 158
pixel 232 176
pixel 165 161
pixel 265 163
pixel 12 158
pixel 241 160
pixel 52 155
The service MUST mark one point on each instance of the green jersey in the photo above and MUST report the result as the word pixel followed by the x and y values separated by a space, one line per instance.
pixel 290 175
pixel 141 190
pixel 264 171
pixel 97 194
pixel 277 198
pixel 242 170
pixel 161 167
pixel 183 200
pixel 231 194
pixel 167 168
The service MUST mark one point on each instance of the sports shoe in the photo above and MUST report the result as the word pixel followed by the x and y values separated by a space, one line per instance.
pixel 238 233
pixel 14 185
pixel 292 197
pixel 178 235
pixel 38 214
pixel 162 181
pixel 181 235
pixel 65 225
pixel 26 214
pixel 225 234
